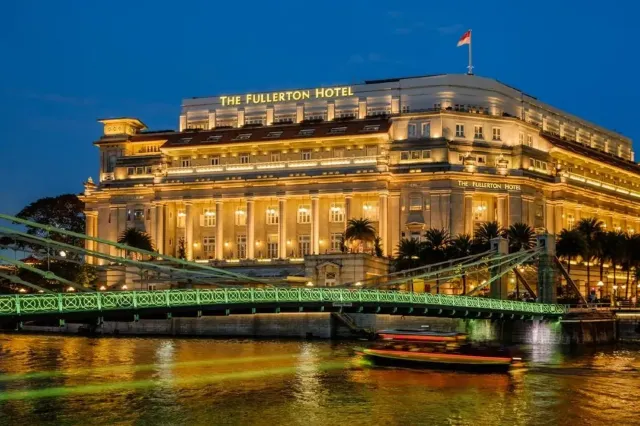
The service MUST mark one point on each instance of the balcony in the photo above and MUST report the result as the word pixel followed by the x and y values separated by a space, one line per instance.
pixel 276 165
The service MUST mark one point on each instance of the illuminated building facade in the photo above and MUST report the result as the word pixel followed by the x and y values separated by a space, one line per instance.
pixel 272 177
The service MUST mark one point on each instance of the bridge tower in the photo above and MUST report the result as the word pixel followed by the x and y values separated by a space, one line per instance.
pixel 499 287
pixel 547 290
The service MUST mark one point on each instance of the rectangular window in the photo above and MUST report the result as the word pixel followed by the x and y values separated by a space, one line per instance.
pixel 139 170
pixel 185 161
pixel 131 171
pixel 415 155
pixel 214 138
pixel 336 212
pixel 460 130
pixel 272 246
pixel 530 140
pixel 415 203
pixel 426 130
pixel 481 159
pixel 304 245
pixel 244 158
pixel 209 246
pixel 181 218
pixel 304 213
pixel 215 161
pixel 241 241
pixel 272 215
pixel 275 157
pixel 370 211
pixel 521 138
pixel 305 154
pixel 477 132
pixel 411 131
pixel 338 152
pixel 496 134
pixel 371 150
pixel 336 240
pixel 404 155
pixel 426 154
pixel 149 170
pixel 209 217
pixel 241 217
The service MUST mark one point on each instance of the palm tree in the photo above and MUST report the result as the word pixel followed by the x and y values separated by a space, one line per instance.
pixel 137 239
pixel 462 246
pixel 590 227
pixel 521 237
pixel 377 246
pixel 610 247
pixel 360 231
pixel 631 257
pixel 570 245
pixel 408 254
pixel 486 231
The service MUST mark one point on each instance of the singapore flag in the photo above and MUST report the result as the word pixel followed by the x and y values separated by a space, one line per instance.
pixel 465 39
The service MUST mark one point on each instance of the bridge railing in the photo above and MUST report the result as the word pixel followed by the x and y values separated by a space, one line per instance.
pixel 34 304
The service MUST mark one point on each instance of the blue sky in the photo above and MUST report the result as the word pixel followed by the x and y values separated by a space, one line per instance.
pixel 67 63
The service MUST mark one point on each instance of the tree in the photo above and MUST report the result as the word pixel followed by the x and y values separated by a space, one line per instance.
pixel 462 246
pixel 631 257
pixel 377 246
pixel 570 245
pixel 435 245
pixel 521 237
pixel 360 231
pixel 590 227
pixel 182 252
pixel 610 248
pixel 137 239
pixel 408 254
pixel 486 231
pixel 64 211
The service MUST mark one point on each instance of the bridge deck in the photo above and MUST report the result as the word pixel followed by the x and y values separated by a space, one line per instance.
pixel 38 305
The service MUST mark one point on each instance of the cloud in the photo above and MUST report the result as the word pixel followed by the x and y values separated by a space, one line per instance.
pixel 403 30
pixel 395 14
pixel 450 29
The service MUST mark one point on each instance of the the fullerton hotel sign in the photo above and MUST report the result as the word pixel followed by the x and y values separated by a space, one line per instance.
pixel 498 186
pixel 286 96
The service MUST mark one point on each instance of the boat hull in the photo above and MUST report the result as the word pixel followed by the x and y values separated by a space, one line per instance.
pixel 437 361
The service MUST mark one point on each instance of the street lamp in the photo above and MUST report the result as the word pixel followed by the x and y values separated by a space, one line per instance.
pixel 63 253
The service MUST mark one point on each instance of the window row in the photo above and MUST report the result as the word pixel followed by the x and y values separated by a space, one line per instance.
pixel 336 214
pixel 416 155
pixel 478 132
pixel 147 170
pixel 425 130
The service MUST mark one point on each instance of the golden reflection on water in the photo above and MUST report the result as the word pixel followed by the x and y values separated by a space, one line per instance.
pixel 200 381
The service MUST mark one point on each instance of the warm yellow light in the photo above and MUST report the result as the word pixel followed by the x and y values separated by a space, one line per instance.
pixel 71 289
pixel 600 284
pixel 309 284
pixel 22 290
pixel 102 288
pixel 358 284
pixel 615 287
pixel 258 243
pixel 124 287
pixel 226 243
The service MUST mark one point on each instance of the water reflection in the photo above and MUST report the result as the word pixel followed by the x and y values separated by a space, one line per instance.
pixel 77 380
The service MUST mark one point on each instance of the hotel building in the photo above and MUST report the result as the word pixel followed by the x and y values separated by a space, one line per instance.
pixel 272 177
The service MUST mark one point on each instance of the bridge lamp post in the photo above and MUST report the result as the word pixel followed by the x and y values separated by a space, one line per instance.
pixel 102 288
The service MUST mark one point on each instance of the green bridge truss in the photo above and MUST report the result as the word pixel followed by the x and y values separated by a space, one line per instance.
pixel 97 304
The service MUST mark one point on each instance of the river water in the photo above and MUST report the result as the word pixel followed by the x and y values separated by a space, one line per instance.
pixel 159 381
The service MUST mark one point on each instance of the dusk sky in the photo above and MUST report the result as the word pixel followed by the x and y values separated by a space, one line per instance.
pixel 67 63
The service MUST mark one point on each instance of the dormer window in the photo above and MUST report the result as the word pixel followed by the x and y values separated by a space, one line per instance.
pixel 214 138
pixel 306 132
pixel 274 135
pixel 243 137
pixel 337 130
pixel 371 128
pixel 184 141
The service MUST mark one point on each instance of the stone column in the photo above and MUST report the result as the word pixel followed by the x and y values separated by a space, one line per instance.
pixel 502 210
pixel 547 289
pixel 515 210
pixel 282 227
pixel 151 223
pixel 383 222
pixel 315 224
pixel 219 231
pixel 251 245
pixel 499 288
pixel 559 218
pixel 457 222
pixel 160 228
pixel 91 223
pixel 394 222
pixel 188 231
pixel 468 213
pixel 549 218
pixel 347 207
pixel 113 230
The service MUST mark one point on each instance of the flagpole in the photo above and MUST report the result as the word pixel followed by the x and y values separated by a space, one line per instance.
pixel 470 72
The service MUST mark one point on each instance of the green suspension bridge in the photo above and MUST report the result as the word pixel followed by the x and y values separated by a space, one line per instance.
pixel 221 292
